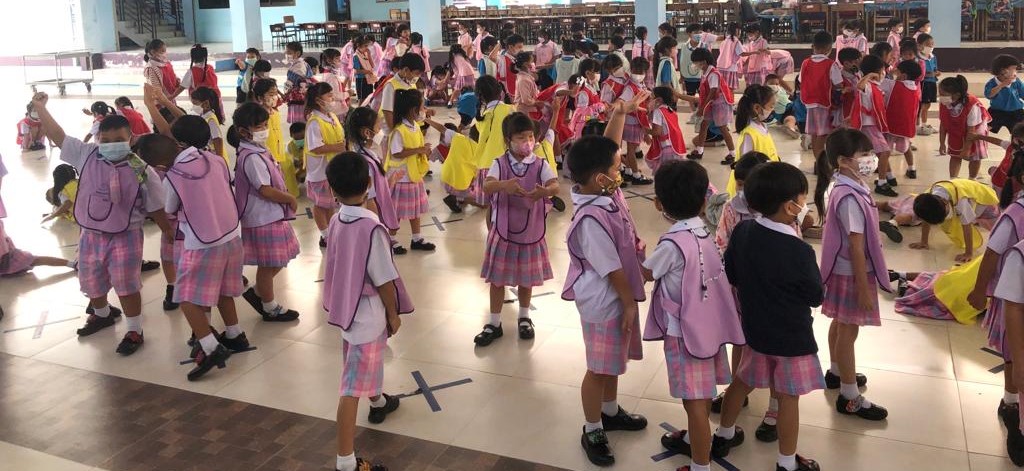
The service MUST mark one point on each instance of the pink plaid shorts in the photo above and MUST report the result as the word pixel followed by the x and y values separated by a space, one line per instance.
pixel 794 376
pixel 320 194
pixel 996 323
pixel 110 261
pixel 14 261
pixel 841 301
pixel 633 133
pixel 607 347
pixel 272 245
pixel 819 122
pixel 508 264
pixel 206 275
pixel 755 78
pixel 410 200
pixel 693 378
pixel 363 373
pixel 720 113
pixel 170 251
pixel 898 144
pixel 878 142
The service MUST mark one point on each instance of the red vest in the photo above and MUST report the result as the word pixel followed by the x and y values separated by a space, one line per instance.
pixel 705 90
pixel 901 112
pixel 136 121
pixel 956 126
pixel 816 86
pixel 618 88
pixel 673 133
pixel 507 77
pixel 168 78
pixel 877 112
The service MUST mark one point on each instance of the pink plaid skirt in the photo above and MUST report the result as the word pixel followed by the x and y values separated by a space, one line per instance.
pixel 819 122
pixel 720 114
pixel 363 373
pixel 14 261
pixel 783 65
pixel 996 324
pixel 794 376
pixel 272 245
pixel 320 194
pixel 474 193
pixel 633 133
pixel 755 78
pixel 509 264
pixel 841 301
pixel 206 275
pixel 920 299
pixel 879 144
pixel 170 251
pixel 693 378
pixel 898 144
pixel 296 113
pixel 110 261
pixel 461 82
pixel 410 200
pixel 608 349
pixel 903 205
pixel 732 79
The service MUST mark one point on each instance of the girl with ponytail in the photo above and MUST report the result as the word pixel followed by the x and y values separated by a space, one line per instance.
pixel 961 114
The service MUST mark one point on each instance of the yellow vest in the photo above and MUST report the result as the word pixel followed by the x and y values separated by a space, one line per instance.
pixel 547 151
pixel 952 287
pixel 398 84
pixel 416 166
pixel 763 143
pixel 459 169
pixel 275 146
pixel 223 148
pixel 331 131
pixel 980 194
pixel 70 192
pixel 492 142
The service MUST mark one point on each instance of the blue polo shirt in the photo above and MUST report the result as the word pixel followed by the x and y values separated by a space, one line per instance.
pixel 1009 98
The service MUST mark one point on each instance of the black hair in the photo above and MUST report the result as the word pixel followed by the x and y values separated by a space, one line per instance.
pixel 681 187
pixel 192 131
pixel 568 47
pixel 156 149
pixel 640 33
pixel 348 173
pixel 734 28
pixel 405 102
pixel 589 65
pixel 416 38
pixel 953 85
pixel 771 185
pixel 1003 62
pixel 709 26
pixel 910 68
pixel 619 42
pixel 254 51
pixel 514 39
pixel 248 116
pixel 770 77
pixel 487 89
pixel 262 87
pixel 692 28
pixel 487 44
pixel 752 28
pixel 908 44
pixel 894 22
pixel 544 34
pixel 849 54
pixel 639 64
pixel 577 27
pixel 456 50
pixel 880 49
pixel 591 155
pixel 667 28
pixel 311 62
pixel 702 55
pixel 930 208
pixel 921 23
pixel 822 39
pixel 101 108
pixel 662 47
pixel 619 32
pixel 516 123
pixel 754 95
pixel 612 62
pixel 747 162
pixel 295 128
pixel 1015 174
pixel 124 102
pixel 313 94
pixel 871 64
pixel 261 66
pixel 666 95
pixel 401 29
pixel 923 38
pixel 62 175
pixel 855 24
pixel 481 24
pixel 199 55
pixel 843 142
pixel 151 47
pixel 521 59
pixel 115 122
pixel 326 56
pixel 293 46
pixel 207 94
pixel 357 120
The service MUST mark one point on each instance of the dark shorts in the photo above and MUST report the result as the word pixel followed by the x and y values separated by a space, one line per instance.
pixel 1007 119
pixel 363 89
pixel 801 125
pixel 691 86
pixel 240 96
pixel 929 92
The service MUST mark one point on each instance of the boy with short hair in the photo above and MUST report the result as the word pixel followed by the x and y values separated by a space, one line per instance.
pixel 930 85
pixel 296 149
pixel 818 78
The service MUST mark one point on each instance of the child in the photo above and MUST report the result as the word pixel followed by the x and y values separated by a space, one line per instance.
pixel 296 82
pixel 1009 292
pixel 666 75
pixel 518 183
pixel 782 114
pixel 737 210
pixel 567 65
pixel 325 138
pixel 852 37
pixel 507 67
pixel 363 68
pixel 642 48
pixel 852 263
pixel 885 52
pixel 488 65
pixel 818 78
pixel 14 261
pixel 1005 91
pixel 297 149
pixel 694 329
pixel 466 40
pixel 99 110
pixel 546 52
pixel 410 68
pixel 363 296
pixel 362 127
pixel 246 73
pixel 63 193
pixel 716 102
pixel 689 72
pixel 30 131
pixel 416 47
pixel 491 141
pixel 588 99
pixel 462 70
pixel 615 47
pixel 266 209
pixel 392 37
pixel 929 89
pixel 468 106
pixel 201 74
pixel 869 115
pixel 901 102
pixel 605 280
pixel 331 74
pixel 961 114
pixel 625 82
pixel 437 86
pixel 264 92
pixel 206 104
pixel 972 202
pixel 766 258
pixel 754 108
pixel 525 97
pixel 159 72
pixel 921 27
pixel 848 92
pixel 730 57
pixel 895 37
pixel 110 246
pixel 138 122
pixel 406 164
pixel 757 54
pixel 669 143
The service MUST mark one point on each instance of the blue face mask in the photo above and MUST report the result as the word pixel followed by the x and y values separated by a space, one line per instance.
pixel 114 151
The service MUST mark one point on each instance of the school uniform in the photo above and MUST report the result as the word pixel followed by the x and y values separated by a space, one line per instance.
pixel 211 120
pixel 758 65
pixel 384 98
pixel 753 138
pixel 901 103
pixel 12 260
pixel 1007 232
pixel 894 39
pixel 930 83
pixel 1006 107
pixel 517 253
pixel 848 100
pixel 689 72
pixel 851 211
pixel 735 211
pixel 170 250
pixel 670 145
pixel 210 265
pixel 459 171
pixel 267 234
pixel 409 193
pixel 384 65
pixel 358 262
pixel 299 74
pixel 625 88
pixel 869 115
pixel 322 129
pixel 729 60
pixel 525 98
pixel 818 76
pixel 602 239
pixel 589 106
pixel 972 203
pixel 958 118
pixel 115 199
pixel 692 310
pixel 782 62
pixel 380 189
pixel 643 49
pixel 465 76
pixel 565 67
pixel 476 45
pixel 858 42
pixel 718 112
pixel 491 142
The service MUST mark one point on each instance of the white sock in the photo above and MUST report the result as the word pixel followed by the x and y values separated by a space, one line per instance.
pixel 731 154
pixel 101 311
pixel 232 331
pixel 417 238
pixel 269 307
pixel 591 426
pixel 834 368
pixel 726 432
pixel 380 402
pixel 134 323
pixel 850 391
pixel 209 343
pixel 1010 398
pixel 699 467
pixel 770 416
pixel 911 167
pixel 610 408
pixel 323 233
pixel 699 149
pixel 686 436
pixel 495 319
pixel 889 175
pixel 524 312
pixel 72 264
pixel 209 317
pixel 881 181
pixel 346 463
pixel 628 171
pixel 787 461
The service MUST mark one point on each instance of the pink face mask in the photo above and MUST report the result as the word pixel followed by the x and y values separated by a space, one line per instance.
pixel 524 148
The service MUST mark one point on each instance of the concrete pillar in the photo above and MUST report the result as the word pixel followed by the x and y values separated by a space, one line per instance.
pixel 650 13
pixel 425 17
pixel 246 25
pixel 99 27
pixel 945 18
pixel 188 11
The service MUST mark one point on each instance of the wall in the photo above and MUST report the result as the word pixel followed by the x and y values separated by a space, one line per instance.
pixel 48 26
pixel 370 10
pixel 214 26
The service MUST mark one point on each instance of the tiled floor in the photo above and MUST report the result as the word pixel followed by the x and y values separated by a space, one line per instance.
pixel 522 403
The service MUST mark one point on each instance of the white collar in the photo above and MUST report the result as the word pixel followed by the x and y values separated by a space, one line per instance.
pixel 207 115
pixel 687 224
pixel 492 104
pixel 840 178
pixel 357 212
pixel 252 146
pixel 187 154
pixel 409 124
pixel 911 84
pixel 739 203
pixel 527 160
pixel 776 226
pixel 818 57
pixel 579 199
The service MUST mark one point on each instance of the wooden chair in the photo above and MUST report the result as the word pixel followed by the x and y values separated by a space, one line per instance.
pixel 332 34
pixel 313 34
pixel 279 35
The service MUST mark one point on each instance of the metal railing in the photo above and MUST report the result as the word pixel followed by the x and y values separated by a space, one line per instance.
pixel 146 16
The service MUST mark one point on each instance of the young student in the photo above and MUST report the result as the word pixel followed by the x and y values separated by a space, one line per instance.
pixel 201 74
pixel 605 280
pixel 99 110
pixel 716 102
pixel 158 71
pixel 546 52
pixel 666 75
pixel 885 52
pixel 849 90
pixel 138 124
pixel 615 46
pixel 264 92
pixel 642 48
pixel 416 47
pixel 406 164
pixel 13 260
pixel 331 74
pixel 63 193
pixel 525 97
pixel 467 107
pixel 297 81
pixel 922 26
pixel 782 113
pixel 765 258
pixel 296 150
pixel 852 36
pixel 895 37
pixel 30 131
pixel 462 70
pixel 206 105
pixel 392 36
pixel 695 326
pixel 961 114
pixel 481 34
pixel 1005 92
pixel 325 138
pixel 731 57
pixel 491 141
pixel 689 72
pixel 818 78
pixel 110 244
pixel 754 107
pixel 901 102
pixel 261 70
pixel 363 68
pixel 800 115
pixel 507 69
pixel 625 82
pixel 869 116
pixel 1009 292
pixel 410 68
pixel 668 141
pixel 929 88
pixel 852 263
pixel 589 105
pixel 757 54
pixel 973 204
pixel 519 184
pixel 362 127
pixel 246 73
pixel 488 65
pixel 266 209
pixel 568 64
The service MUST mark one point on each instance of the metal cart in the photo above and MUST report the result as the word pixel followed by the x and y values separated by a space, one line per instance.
pixel 80 60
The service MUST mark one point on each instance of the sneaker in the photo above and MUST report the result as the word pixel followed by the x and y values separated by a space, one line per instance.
pixel 488 335
pixel 891 231
pixel 364 465
pixel 855 407
pixel 130 343
pixel 694 155
pixel 911 174
pixel 765 432
pixel 323 242
pixel 1010 414
pixel 280 314
pixel 378 414
pixel 1015 446
pixel 673 441
pixel 526 331
pixel 595 444
pixel 623 421
pixel 832 381
pixel 452 203
pixel 892 182
pixel 96 323
pixel 399 250
pixel 802 464
pixel 150 265
pixel 728 160
pixel 205 363
pixel 169 304
pixel 235 345
pixel 885 190
pixel 558 204
pixel 925 131
pixel 720 446
pixel 254 300
pixel 716 403
pixel 422 245
pixel 640 180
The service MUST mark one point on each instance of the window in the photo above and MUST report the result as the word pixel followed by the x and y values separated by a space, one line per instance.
pixel 277 3
pixel 214 4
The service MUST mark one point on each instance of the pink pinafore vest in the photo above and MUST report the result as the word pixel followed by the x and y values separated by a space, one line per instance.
pixel 617 223
pixel 517 219
pixel 244 189
pixel 385 205
pixel 708 320
pixel 835 242
pixel 1014 216
pixel 107 194
pixel 203 185
pixel 345 279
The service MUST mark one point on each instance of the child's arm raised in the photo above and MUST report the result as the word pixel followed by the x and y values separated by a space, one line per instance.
pixel 50 127
pixel 620 109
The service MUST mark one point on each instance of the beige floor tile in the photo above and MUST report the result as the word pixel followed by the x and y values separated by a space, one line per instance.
pixel 20 458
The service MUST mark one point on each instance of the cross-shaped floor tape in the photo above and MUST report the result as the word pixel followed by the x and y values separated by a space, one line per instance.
pixel 40 324
pixel 998 368
pixel 516 298
pixel 191 360
pixel 646 196
pixel 440 224
pixel 428 391
pixel 668 454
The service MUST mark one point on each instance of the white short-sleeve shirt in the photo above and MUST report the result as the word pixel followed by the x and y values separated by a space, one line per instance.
pixel 1010 287
pixel 316 166
pixel 667 264
pixel 596 300
pixel 370 320
pixel 259 211
pixel 965 211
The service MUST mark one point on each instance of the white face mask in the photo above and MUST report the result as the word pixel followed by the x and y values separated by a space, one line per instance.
pixel 866 165
pixel 765 114
pixel 945 100
pixel 619 73
pixel 114 151
pixel 33 115
pixel 197 110
pixel 638 77
pixel 377 138
pixel 848 33
pixel 260 137
pixel 802 214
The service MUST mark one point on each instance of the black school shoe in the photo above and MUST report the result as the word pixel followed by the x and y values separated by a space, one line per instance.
pixel 130 343
pixel 885 190
pixel 169 304
pixel 623 421
pixel 235 345
pixel 766 433
pixel 378 414
pixel 364 465
pixel 205 363
pixel 912 174
pixel 891 231
pixel 716 403
pixel 488 335
pixel 1010 414
pixel 728 160
pixel 114 311
pixel 250 296
pixel 832 381
pixel 855 407
pixel 96 323
pixel 422 245
pixel 323 242
pixel 720 446
pixel 558 204
pixel 595 444
pixel 640 180
pixel 802 464
pixel 673 441
pixel 452 203
pixel 526 331
pixel 399 250
pixel 892 182
pixel 150 265
pixel 1015 446
pixel 694 155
